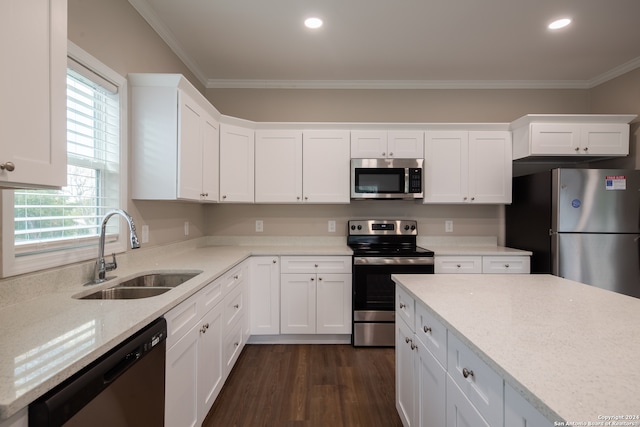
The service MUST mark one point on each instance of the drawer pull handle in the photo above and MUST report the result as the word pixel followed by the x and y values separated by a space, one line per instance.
pixel 402 305
pixel 427 329
pixel 467 373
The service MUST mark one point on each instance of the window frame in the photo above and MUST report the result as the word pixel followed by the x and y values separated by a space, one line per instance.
pixel 11 263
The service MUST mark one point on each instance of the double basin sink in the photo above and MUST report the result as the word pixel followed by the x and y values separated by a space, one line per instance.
pixel 142 286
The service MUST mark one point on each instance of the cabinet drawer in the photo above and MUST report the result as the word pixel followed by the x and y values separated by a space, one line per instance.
pixel 480 384
pixel 431 333
pixel 405 307
pixel 506 264
pixel 458 264
pixel 315 264
pixel 209 296
pixel 232 346
pixel 181 319
pixel 233 278
pixel 233 306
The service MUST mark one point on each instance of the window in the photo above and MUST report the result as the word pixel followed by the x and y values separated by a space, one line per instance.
pixel 54 227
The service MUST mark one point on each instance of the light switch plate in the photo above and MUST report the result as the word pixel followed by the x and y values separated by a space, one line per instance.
pixel 259 226
pixel 145 234
pixel 186 228
pixel 331 226
pixel 448 226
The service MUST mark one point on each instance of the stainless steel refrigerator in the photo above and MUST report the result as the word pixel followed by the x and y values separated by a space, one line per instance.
pixel 580 224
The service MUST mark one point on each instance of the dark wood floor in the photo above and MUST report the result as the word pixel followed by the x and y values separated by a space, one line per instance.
pixel 308 385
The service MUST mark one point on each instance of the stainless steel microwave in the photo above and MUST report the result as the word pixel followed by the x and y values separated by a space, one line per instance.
pixel 386 179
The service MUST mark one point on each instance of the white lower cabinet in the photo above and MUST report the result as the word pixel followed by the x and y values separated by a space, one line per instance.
pixel 440 381
pixel 205 335
pixel 264 295
pixel 315 295
pixel 194 371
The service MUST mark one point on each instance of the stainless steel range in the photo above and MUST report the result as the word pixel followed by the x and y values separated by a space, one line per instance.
pixel 381 248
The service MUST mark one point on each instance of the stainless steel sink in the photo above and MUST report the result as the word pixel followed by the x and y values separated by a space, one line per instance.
pixel 143 286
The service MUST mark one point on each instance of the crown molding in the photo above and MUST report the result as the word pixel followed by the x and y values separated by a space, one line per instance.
pixel 395 84
pixel 615 72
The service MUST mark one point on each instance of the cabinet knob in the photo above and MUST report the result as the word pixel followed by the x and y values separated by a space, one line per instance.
pixel 426 329
pixel 313 279
pixel 237 306
pixel 402 305
pixel 384 154
pixel 467 373
pixel 413 346
pixel 298 198
pixel 586 149
pixel 306 198
pixel 464 198
pixel 235 277
pixel 390 154
pixel 274 261
pixel 224 197
pixel 473 198
pixel 577 148
pixel 506 266
pixel 8 166
pixel 408 340
pixel 235 344
pixel 458 266
pixel 319 279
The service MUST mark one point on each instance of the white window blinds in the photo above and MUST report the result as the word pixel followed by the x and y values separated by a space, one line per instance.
pixel 56 219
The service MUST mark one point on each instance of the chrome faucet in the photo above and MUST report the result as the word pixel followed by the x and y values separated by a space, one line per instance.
pixel 101 266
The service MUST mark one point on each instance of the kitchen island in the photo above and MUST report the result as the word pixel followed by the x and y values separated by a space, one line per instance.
pixel 570 350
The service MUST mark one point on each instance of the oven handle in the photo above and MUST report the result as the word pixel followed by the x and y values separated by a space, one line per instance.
pixel 364 260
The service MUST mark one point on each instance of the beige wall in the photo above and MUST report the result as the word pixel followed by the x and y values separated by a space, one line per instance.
pixel 116 34
pixel 113 32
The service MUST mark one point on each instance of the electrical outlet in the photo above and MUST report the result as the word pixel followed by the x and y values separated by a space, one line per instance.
pixel 186 228
pixel 332 226
pixel 145 234
pixel 448 226
pixel 259 226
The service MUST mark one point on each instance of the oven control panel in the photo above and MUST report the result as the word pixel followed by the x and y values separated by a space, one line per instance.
pixel 382 227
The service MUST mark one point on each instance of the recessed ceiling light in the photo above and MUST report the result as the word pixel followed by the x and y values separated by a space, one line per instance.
pixel 313 22
pixel 560 23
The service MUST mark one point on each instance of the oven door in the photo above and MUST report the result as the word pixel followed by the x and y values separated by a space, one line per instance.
pixel 373 289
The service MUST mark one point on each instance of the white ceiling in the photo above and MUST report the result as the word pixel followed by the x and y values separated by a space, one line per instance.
pixel 400 43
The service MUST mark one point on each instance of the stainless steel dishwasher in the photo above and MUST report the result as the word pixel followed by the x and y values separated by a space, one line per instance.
pixel 125 387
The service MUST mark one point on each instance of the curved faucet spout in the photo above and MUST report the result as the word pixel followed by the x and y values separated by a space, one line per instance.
pixel 101 266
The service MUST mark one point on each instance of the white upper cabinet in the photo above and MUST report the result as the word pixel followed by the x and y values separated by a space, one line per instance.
pixel 325 166
pixel 278 166
pixel 467 167
pixel 33 44
pixel 175 142
pixel 236 163
pixel 598 135
pixel 374 144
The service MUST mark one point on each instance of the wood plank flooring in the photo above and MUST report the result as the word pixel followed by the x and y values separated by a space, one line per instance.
pixel 308 385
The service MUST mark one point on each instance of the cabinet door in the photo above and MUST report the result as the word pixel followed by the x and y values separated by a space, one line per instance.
pixel 430 389
pixel 236 164
pixel 369 144
pixel 405 374
pixel 446 167
pixel 264 296
pixel 298 303
pixel 190 129
pixel 210 159
pixel 460 411
pixel 555 138
pixel 325 166
pixel 604 139
pixel 181 391
pixel 33 43
pixel 405 144
pixel 490 167
pixel 210 360
pixel 520 413
pixel 278 166
pixel 333 304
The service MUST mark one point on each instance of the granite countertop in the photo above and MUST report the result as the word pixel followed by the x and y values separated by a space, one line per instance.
pixel 49 337
pixel 570 349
